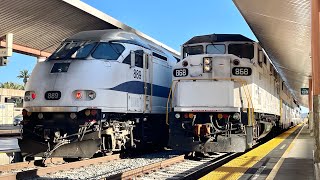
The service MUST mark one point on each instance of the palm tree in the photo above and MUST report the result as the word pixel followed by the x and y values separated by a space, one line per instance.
pixel 24 74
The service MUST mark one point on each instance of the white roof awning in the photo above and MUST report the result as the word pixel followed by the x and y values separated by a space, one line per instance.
pixel 39 26
pixel 283 27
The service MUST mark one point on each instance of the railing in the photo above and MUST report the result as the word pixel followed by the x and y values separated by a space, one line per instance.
pixel 147 71
pixel 250 111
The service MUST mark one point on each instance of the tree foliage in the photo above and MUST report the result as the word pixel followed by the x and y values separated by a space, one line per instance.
pixel 11 85
pixel 24 74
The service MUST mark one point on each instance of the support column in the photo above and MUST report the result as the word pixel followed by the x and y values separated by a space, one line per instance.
pixel 310 102
pixel 316 75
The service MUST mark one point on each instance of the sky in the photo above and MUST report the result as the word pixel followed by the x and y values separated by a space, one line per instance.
pixel 170 22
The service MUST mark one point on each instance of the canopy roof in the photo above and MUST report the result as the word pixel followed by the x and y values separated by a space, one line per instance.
pixel 283 27
pixel 39 26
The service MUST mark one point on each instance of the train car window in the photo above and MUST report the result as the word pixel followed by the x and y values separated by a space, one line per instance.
pixel 83 51
pixel 192 50
pixel 241 50
pixel 260 54
pixel 108 51
pixel 216 49
pixel 264 59
pixel 138 56
pixel 73 50
pixel 160 56
pixel 127 60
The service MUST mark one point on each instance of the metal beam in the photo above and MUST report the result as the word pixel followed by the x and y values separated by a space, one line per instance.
pixel 26 50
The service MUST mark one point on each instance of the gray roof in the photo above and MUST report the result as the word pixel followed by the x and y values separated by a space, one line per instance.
pixel 108 35
pixel 42 25
pixel 212 38
pixel 283 28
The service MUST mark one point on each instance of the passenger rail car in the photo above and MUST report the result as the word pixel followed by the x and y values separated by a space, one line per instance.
pixel 226 95
pixel 100 91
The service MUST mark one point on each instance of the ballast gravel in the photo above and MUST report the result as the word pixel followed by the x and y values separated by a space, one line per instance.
pixel 99 171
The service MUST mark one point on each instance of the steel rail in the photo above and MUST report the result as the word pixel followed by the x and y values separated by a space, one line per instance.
pixel 40 171
pixel 28 164
pixel 212 165
pixel 198 171
pixel 145 169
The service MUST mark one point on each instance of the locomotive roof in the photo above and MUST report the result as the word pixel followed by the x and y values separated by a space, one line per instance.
pixel 212 38
pixel 108 35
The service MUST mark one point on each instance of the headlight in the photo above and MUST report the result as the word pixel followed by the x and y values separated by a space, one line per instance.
pixel 236 116
pixel 73 115
pixel 207 68
pixel 87 112
pixel 177 115
pixel 29 95
pixel 185 63
pixel 206 61
pixel 207 64
pixel 40 116
pixel 236 62
pixel 84 95
pixel 91 95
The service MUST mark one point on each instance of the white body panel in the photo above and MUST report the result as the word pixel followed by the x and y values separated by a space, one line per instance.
pixel 205 94
pixel 117 90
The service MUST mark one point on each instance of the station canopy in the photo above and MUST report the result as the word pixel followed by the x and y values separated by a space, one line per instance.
pixel 283 27
pixel 39 26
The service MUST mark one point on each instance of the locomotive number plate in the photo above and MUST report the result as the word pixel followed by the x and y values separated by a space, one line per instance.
pixel 180 72
pixel 52 95
pixel 241 71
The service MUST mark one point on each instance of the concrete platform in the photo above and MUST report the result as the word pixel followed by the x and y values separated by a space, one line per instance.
pixel 288 156
pixel 297 161
pixel 8 145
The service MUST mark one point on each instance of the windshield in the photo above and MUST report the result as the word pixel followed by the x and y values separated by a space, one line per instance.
pixel 192 50
pixel 73 50
pixel 241 50
pixel 216 49
pixel 108 51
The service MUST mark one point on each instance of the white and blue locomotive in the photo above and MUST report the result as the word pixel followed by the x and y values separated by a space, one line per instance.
pixel 226 95
pixel 100 91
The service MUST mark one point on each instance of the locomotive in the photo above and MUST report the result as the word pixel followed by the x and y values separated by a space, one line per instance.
pixel 226 95
pixel 101 91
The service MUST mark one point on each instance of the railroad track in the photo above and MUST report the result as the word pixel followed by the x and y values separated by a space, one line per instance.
pixel 162 165
pixel 28 170
pixel 28 165
pixel 177 168
pixel 86 169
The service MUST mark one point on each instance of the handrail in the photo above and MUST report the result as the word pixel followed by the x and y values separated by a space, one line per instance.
pixel 242 81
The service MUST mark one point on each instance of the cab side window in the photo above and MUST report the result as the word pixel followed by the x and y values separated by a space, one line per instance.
pixel 138 57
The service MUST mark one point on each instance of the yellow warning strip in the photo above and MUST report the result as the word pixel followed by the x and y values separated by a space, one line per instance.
pixel 237 167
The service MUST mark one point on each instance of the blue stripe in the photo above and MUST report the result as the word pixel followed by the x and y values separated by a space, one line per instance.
pixel 137 87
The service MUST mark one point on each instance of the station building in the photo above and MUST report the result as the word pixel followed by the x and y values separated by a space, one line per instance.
pixel 11 102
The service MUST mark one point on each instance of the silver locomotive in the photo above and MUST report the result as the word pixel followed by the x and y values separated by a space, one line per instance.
pixel 101 91
pixel 226 95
